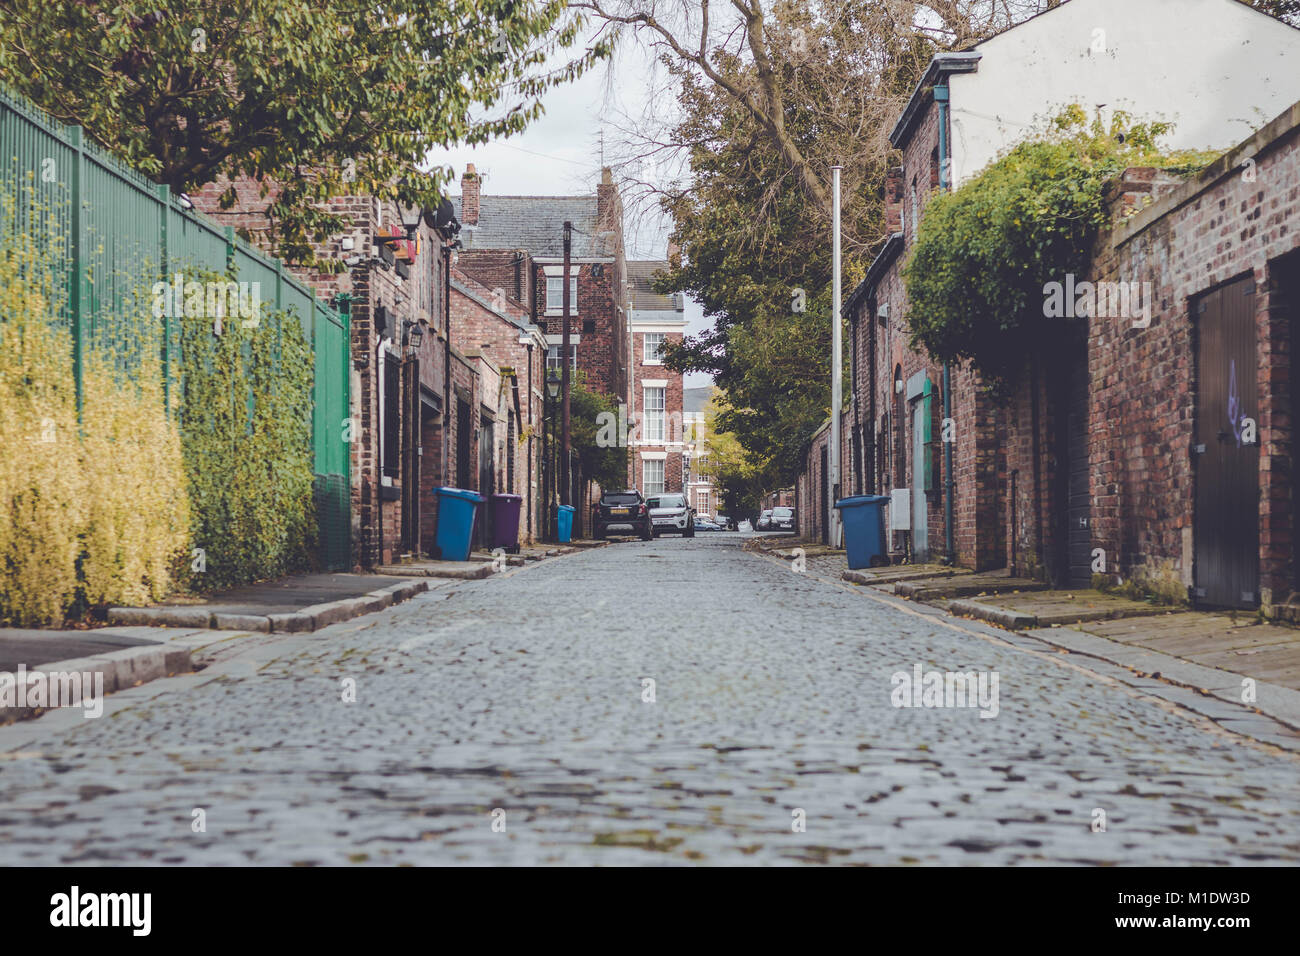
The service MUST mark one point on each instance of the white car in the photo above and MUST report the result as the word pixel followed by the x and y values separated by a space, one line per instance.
pixel 670 514
pixel 782 519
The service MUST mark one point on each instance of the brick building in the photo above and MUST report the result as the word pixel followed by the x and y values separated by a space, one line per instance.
pixel 1008 481
pixel 513 246
pixel 498 331
pixel 658 446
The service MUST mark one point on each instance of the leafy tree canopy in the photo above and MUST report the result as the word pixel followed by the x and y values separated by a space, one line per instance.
pixel 324 98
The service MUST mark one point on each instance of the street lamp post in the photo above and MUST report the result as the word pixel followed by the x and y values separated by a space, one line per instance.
pixel 552 393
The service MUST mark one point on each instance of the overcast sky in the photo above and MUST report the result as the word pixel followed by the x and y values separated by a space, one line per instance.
pixel 560 154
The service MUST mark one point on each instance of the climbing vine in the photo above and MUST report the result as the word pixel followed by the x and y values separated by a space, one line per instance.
pixel 246 429
pixel 983 254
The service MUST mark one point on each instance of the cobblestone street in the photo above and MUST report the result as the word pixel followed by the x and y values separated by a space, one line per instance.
pixel 524 693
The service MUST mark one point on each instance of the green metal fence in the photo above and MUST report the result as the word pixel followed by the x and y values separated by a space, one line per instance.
pixel 119 233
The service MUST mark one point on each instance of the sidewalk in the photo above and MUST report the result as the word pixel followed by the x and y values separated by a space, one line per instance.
pixel 302 602
pixel 1240 671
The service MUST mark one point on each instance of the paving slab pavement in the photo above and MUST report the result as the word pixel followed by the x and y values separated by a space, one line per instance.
pixel 33 647
pixel 301 602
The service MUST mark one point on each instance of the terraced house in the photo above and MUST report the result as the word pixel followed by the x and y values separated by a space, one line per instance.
pixel 1110 457
pixel 658 455
pixel 514 246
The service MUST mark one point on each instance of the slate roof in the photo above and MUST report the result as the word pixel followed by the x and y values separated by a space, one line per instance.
pixel 640 276
pixel 536 224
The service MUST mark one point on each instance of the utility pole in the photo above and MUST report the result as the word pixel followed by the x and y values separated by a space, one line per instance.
pixel 836 362
pixel 564 372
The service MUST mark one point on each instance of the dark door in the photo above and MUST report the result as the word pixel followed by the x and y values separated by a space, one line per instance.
pixel 1078 537
pixel 823 492
pixel 1226 448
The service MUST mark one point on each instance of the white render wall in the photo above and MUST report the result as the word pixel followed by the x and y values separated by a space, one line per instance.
pixel 1216 68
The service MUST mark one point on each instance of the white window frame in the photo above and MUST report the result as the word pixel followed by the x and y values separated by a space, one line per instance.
pixel 647 488
pixel 553 356
pixel 647 358
pixel 555 299
pixel 651 417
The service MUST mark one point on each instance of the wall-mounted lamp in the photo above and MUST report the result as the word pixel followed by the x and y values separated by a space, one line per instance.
pixel 882 311
pixel 553 383
pixel 411 216
pixel 413 335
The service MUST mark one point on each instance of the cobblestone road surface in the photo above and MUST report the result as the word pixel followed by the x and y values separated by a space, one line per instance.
pixel 524 693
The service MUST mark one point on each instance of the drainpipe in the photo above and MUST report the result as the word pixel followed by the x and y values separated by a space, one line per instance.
pixel 950 557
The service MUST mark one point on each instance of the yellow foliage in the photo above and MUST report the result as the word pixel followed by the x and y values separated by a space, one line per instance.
pixel 134 484
pixel 41 500
pixel 93 513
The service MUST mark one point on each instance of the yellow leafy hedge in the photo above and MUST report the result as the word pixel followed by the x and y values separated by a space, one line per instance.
pixel 91 513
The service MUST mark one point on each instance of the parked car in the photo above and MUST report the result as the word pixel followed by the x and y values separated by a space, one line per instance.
pixel 764 521
pixel 724 522
pixel 782 519
pixel 624 510
pixel 705 523
pixel 670 514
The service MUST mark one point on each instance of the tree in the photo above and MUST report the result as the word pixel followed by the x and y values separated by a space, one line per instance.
pixel 602 462
pixel 311 99
pixel 741 479
pixel 768 97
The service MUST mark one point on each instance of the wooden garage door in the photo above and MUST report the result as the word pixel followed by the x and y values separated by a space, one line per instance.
pixel 1226 448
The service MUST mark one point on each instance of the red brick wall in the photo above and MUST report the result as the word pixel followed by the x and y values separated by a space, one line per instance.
pixel 673 425
pixel 417 299
pixel 602 353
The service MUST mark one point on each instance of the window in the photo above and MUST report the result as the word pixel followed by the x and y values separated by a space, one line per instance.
pixel 702 468
pixel 667 501
pixel 553 357
pixel 651 349
pixel 652 422
pixel 555 294
pixel 703 499
pixel 653 477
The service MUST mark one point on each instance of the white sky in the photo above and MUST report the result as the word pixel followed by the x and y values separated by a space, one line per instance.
pixel 560 154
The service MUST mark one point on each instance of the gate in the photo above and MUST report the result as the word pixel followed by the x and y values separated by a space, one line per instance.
pixel 1225 450
pixel 331 437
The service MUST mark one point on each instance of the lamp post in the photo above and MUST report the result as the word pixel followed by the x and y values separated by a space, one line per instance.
pixel 552 393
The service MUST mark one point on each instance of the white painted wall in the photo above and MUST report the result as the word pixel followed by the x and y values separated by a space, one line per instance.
pixel 1216 68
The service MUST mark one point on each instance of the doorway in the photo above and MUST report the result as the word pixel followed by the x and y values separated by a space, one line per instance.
pixel 1225 449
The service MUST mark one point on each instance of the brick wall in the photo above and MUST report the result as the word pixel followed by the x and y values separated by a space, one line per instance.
pixel 378 530
pixel 673 424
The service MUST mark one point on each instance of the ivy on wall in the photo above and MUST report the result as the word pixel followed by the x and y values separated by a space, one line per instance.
pixel 92 512
pixel 245 412
pixel 983 254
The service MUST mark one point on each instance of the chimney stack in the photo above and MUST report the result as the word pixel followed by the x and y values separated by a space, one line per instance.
pixel 607 212
pixel 894 200
pixel 469 186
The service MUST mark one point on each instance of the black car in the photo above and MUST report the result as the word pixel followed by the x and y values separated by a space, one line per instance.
pixel 624 510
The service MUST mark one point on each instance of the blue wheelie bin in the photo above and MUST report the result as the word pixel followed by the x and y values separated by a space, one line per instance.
pixel 863 517
pixel 456 510
pixel 564 523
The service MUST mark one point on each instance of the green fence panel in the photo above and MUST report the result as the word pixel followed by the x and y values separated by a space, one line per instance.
pixel 116 234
